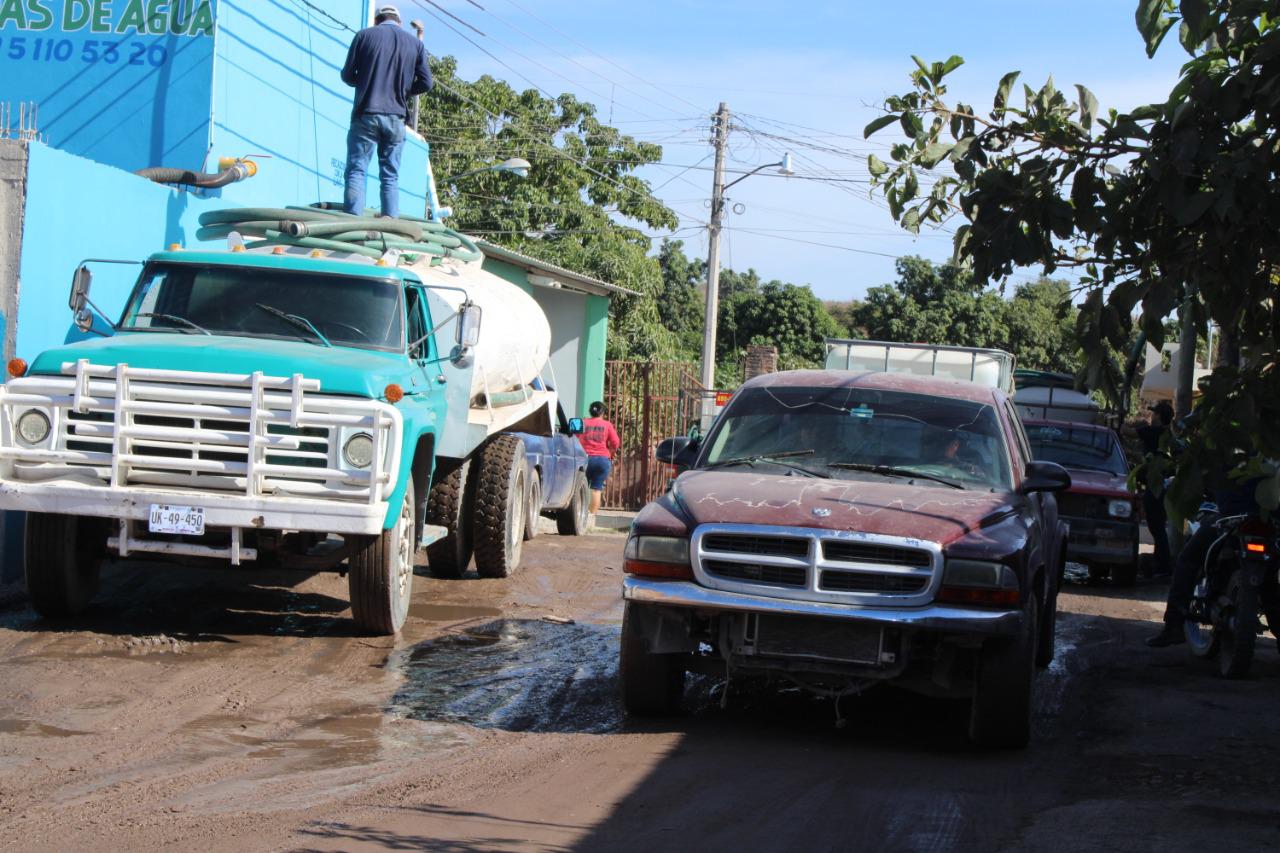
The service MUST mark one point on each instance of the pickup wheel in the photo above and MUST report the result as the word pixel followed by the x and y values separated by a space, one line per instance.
pixel 572 520
pixel 1000 716
pixel 63 559
pixel 652 684
pixel 500 498
pixel 447 505
pixel 380 576
pixel 533 506
pixel 1047 642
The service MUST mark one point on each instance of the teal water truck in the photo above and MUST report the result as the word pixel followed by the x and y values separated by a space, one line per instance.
pixel 318 395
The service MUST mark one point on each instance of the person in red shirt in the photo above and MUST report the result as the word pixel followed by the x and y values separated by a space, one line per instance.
pixel 600 440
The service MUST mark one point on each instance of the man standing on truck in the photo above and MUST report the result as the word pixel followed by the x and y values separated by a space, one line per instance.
pixel 387 67
pixel 600 440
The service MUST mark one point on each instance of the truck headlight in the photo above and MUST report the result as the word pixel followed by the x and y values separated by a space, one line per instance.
pixel 657 556
pixel 979 582
pixel 33 427
pixel 358 451
pixel 1120 509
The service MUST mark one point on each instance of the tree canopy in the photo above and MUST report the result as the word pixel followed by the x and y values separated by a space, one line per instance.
pixel 1173 203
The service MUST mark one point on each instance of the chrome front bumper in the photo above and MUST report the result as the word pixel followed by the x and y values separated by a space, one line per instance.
pixel 937 618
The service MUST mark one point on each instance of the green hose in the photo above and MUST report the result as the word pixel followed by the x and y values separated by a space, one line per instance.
pixel 329 229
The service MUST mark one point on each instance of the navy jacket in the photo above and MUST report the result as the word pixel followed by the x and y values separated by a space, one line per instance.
pixel 387 66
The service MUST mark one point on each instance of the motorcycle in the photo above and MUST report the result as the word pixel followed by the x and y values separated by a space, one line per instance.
pixel 1238 583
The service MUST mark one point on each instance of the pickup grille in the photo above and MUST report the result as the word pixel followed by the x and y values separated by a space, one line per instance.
pixel 814 564
pixel 203 432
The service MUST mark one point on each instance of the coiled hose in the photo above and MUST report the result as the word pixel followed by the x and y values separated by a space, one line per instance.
pixel 323 227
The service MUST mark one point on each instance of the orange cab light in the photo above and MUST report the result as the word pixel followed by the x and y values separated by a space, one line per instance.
pixel 17 367
pixel 394 393
pixel 1255 547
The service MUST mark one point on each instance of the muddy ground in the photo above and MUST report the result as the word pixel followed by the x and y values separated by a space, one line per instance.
pixel 214 710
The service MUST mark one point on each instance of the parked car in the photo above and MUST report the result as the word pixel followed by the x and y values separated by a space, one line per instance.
pixel 839 530
pixel 557 478
pixel 1100 508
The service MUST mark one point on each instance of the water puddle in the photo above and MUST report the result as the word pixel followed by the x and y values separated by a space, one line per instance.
pixel 451 612
pixel 515 675
pixel 341 740
pixel 30 727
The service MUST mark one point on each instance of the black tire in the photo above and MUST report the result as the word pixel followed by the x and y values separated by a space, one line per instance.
pixel 652 684
pixel 447 505
pixel 1125 575
pixel 1238 631
pixel 1000 716
pixel 1202 639
pixel 1047 642
pixel 572 520
pixel 501 472
pixel 1098 573
pixel 63 560
pixel 380 576
pixel 533 506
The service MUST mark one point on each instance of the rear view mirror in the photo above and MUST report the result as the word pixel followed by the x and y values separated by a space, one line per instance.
pixel 1045 477
pixel 575 426
pixel 80 282
pixel 681 451
pixel 469 316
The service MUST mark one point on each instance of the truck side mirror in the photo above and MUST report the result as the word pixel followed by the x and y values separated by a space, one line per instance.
pixel 680 451
pixel 80 282
pixel 469 317
pixel 1045 477
pixel 575 426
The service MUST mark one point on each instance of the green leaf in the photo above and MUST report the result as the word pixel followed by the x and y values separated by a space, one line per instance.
pixel 911 220
pixel 1002 91
pixel 933 154
pixel 876 166
pixel 920 63
pixel 879 124
pixel 910 187
pixel 952 64
pixel 911 124
pixel 1088 107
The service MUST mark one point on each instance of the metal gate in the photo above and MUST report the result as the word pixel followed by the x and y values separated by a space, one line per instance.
pixel 647 402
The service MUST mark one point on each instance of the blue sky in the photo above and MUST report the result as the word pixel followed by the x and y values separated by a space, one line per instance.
pixel 808 72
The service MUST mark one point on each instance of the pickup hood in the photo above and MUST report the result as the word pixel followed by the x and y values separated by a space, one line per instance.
pixel 1086 482
pixel 341 370
pixel 938 514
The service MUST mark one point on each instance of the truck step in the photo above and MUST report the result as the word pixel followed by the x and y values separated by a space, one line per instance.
pixel 432 533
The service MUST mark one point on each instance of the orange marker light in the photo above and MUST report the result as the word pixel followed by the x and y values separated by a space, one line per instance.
pixel 17 367
pixel 1251 547
pixel 394 393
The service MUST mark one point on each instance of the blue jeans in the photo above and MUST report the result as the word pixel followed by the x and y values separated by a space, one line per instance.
pixel 598 468
pixel 386 134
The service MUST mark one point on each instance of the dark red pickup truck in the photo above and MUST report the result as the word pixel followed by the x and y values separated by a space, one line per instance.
pixel 839 530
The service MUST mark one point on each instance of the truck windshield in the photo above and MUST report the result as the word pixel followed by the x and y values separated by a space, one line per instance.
pixel 349 311
pixel 1077 447
pixel 859 433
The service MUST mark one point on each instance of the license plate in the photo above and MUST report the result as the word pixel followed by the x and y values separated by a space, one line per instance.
pixel 186 520
pixel 821 639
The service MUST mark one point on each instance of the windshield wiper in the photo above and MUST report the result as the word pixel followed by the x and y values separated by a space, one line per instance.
pixel 172 318
pixel 891 471
pixel 294 320
pixel 772 459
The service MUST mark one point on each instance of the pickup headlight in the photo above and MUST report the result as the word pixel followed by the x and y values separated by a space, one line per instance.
pixel 1119 508
pixel 33 427
pixel 358 451
pixel 979 582
pixel 657 556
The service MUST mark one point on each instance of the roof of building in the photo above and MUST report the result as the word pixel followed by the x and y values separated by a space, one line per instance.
pixel 575 280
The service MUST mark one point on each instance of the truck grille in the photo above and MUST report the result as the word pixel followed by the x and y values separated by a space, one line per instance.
pixel 207 432
pixel 812 564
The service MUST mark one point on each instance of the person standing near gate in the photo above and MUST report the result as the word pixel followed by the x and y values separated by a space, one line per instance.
pixel 600 440
pixel 387 67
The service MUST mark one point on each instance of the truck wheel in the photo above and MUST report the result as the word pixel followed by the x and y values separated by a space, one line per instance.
pixel 1047 642
pixel 652 684
pixel 63 559
pixel 499 515
pixel 447 506
pixel 1000 716
pixel 533 506
pixel 380 576
pixel 572 520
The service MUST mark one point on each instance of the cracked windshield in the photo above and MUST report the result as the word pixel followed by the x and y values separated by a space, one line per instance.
pixel 348 311
pixel 854 433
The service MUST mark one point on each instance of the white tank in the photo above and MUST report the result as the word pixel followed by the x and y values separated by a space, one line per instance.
pixel 515 337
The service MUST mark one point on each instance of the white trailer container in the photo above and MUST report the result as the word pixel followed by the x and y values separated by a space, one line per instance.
pixel 991 367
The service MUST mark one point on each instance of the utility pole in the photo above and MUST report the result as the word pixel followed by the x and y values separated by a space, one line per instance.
pixel 721 140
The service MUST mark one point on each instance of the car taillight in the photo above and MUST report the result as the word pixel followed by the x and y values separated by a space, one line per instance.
pixel 657 557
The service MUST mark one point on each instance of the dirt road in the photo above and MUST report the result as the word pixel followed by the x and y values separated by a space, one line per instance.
pixel 215 710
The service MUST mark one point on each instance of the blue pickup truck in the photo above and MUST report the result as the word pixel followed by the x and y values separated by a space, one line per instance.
pixel 557 478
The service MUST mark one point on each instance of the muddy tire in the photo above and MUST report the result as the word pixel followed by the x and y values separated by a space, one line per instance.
pixel 1047 642
pixel 447 505
pixel 380 576
pixel 1238 633
pixel 652 684
pixel 501 472
pixel 533 506
pixel 572 520
pixel 1000 716
pixel 63 560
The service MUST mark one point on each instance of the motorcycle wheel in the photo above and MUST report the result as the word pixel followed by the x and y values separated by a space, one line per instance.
pixel 1238 631
pixel 1202 639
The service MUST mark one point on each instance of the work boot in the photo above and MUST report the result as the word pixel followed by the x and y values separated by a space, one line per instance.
pixel 1170 635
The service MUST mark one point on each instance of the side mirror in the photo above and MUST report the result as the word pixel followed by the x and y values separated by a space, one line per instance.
pixel 575 426
pixel 469 317
pixel 680 451
pixel 80 282
pixel 1045 477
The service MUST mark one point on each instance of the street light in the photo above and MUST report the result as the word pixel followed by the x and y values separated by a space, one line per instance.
pixel 517 166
